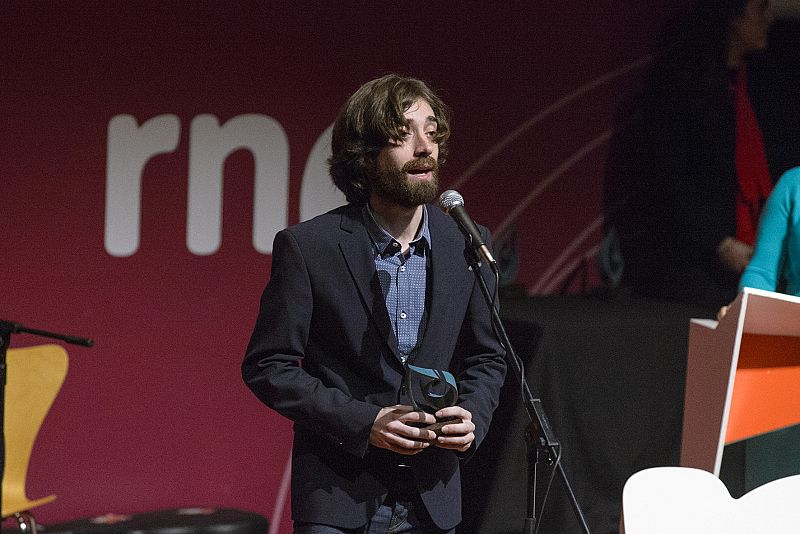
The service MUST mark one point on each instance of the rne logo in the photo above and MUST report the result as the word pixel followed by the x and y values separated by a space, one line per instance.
pixel 131 146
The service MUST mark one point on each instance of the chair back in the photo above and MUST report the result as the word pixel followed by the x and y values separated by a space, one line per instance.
pixel 34 377
pixel 665 500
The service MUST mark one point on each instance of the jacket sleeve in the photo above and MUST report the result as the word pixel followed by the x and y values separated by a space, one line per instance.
pixel 272 367
pixel 482 359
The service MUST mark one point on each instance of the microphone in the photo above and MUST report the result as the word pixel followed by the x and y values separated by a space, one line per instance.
pixel 453 203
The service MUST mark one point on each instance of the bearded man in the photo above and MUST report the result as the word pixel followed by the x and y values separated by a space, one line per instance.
pixel 355 296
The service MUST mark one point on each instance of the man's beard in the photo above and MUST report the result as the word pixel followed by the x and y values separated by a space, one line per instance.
pixel 394 186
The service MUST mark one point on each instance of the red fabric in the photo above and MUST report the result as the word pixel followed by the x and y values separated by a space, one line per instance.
pixel 752 170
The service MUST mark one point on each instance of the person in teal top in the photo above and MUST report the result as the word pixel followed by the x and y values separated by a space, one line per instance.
pixel 777 248
pixel 776 258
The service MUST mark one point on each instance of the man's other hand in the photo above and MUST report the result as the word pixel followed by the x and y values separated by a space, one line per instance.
pixel 456 436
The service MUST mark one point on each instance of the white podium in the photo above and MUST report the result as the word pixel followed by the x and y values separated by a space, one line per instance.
pixel 742 376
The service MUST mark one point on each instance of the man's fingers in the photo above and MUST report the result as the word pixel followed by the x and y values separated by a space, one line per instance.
pixel 401 429
pixel 415 430
pixel 454 411
pixel 405 446
pixel 414 447
pixel 464 427
pixel 458 435
pixel 460 443
pixel 418 417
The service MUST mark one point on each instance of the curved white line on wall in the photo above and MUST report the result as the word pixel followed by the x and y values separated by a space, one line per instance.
pixel 550 178
pixel 568 270
pixel 556 273
pixel 519 130
pixel 280 501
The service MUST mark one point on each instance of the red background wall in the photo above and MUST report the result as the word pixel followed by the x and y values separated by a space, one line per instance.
pixel 155 414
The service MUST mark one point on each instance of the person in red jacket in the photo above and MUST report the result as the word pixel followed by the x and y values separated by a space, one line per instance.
pixel 704 171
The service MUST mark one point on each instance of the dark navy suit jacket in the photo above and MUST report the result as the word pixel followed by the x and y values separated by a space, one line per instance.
pixel 323 354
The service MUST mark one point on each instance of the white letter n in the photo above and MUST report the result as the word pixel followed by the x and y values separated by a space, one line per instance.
pixel 210 144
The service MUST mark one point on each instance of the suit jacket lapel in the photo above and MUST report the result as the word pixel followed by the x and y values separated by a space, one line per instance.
pixel 356 248
pixel 446 269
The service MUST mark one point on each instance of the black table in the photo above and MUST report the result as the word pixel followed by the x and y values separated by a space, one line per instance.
pixel 610 373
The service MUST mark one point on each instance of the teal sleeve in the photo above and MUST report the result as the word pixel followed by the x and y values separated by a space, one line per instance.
pixel 769 256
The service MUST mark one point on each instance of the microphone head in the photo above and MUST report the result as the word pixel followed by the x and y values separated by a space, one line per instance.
pixel 450 199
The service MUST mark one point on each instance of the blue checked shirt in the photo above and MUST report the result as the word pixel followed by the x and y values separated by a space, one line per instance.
pixel 403 279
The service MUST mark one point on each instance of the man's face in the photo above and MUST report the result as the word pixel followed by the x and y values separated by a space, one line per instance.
pixel 408 170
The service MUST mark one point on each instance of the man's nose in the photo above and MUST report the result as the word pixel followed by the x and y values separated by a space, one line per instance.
pixel 423 146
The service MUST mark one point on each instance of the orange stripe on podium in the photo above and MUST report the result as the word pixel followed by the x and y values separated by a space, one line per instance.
pixel 766 390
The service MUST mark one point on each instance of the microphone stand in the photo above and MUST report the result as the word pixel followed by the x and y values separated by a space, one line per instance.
pixel 539 435
pixel 6 329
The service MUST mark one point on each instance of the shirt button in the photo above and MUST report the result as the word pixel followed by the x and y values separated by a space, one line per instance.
pixel 402 268
pixel 395 244
pixel 402 315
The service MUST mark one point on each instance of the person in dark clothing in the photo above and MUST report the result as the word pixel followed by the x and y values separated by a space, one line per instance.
pixel 355 296
pixel 699 168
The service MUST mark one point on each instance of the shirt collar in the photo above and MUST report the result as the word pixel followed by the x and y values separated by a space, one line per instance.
pixel 386 244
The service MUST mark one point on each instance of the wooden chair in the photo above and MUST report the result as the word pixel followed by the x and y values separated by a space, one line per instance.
pixel 665 500
pixel 35 376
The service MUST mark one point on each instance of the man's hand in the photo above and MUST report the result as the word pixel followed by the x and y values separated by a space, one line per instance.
pixel 393 430
pixel 734 254
pixel 456 436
